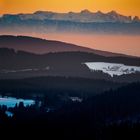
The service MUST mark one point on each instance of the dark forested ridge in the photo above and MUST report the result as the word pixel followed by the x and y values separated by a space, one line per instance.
pixel 56 85
pixel 22 64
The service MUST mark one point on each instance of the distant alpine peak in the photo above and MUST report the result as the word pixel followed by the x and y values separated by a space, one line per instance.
pixel 113 12
pixel 99 12
pixel 42 12
pixel 136 19
pixel 85 11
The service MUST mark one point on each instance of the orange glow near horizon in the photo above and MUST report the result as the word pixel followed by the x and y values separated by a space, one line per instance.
pixel 119 44
pixel 124 44
pixel 126 7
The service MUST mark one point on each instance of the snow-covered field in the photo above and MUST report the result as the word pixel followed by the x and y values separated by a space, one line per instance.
pixel 112 68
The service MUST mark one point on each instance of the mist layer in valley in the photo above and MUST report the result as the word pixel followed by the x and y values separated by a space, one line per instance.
pixel 125 44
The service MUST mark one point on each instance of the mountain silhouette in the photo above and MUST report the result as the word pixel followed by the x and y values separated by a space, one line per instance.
pixel 83 16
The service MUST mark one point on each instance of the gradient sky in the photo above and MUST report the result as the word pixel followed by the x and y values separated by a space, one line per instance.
pixel 126 7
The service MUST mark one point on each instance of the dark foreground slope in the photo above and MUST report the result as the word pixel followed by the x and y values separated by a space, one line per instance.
pixel 110 116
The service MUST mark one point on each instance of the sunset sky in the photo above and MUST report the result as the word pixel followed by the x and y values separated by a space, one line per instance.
pixel 126 7
pixel 121 44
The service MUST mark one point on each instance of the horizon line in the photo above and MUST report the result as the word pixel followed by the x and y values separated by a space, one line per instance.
pixel 76 12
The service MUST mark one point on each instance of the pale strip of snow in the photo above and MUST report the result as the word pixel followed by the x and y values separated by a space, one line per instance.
pixel 23 70
pixel 14 71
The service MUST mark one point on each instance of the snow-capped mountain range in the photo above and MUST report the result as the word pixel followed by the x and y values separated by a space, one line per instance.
pixel 83 16
pixel 71 22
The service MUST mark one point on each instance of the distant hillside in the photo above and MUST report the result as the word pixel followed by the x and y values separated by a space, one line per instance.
pixel 42 46
pixel 22 64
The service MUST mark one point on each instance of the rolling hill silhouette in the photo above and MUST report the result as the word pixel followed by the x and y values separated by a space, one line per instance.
pixel 42 46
